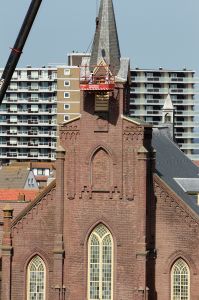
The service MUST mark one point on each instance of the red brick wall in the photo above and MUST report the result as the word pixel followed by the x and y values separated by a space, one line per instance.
pixel 177 235
pixel 108 179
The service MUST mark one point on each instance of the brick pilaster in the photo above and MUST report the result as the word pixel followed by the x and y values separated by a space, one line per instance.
pixel 6 253
pixel 59 243
pixel 141 254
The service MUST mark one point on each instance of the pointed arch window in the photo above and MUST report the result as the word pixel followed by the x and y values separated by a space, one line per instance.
pixel 100 264
pixel 36 279
pixel 180 281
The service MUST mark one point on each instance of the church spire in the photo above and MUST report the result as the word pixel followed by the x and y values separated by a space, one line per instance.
pixel 106 43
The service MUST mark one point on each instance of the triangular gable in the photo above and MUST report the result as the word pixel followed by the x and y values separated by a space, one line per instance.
pixel 181 205
pixel 34 203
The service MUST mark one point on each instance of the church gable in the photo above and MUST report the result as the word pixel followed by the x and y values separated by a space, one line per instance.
pixel 168 198
pixel 28 215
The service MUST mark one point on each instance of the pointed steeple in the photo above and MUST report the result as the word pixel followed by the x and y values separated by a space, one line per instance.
pixel 106 44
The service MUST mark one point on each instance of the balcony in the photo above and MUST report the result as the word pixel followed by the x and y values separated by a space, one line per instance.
pixel 164 79
pixel 154 90
pixel 190 124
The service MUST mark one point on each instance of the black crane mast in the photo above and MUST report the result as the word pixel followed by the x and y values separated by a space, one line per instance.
pixel 16 51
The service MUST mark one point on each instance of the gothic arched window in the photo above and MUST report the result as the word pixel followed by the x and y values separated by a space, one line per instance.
pixel 100 264
pixel 180 280
pixel 36 279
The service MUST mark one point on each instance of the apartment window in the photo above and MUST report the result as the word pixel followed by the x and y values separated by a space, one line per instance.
pixel 180 281
pixel 66 117
pixel 66 95
pixel 44 73
pixel 66 82
pixel 100 264
pixel 34 108
pixel 34 74
pixel 24 74
pixel 66 106
pixel 13 97
pixel 34 86
pixel 13 119
pixel 36 279
pixel 34 96
pixel 13 108
pixel 66 71
pixel 173 75
pixel 15 74
pixel 13 86
pixel 149 74
pixel 13 141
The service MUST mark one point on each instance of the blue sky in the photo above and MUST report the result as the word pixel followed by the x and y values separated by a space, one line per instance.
pixel 155 33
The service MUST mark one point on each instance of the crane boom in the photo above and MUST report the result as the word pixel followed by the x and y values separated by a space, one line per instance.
pixel 16 51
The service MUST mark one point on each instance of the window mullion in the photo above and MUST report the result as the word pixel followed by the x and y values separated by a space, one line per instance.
pixel 100 268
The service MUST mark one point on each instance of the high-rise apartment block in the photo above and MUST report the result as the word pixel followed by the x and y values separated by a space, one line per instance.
pixel 39 99
pixel 28 116
pixel 149 91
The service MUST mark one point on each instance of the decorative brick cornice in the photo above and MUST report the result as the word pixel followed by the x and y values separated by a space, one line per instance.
pixel 28 211
pixel 173 200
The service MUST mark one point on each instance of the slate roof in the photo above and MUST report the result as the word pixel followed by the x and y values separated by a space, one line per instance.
pixel 106 43
pixel 13 177
pixel 190 185
pixel 172 163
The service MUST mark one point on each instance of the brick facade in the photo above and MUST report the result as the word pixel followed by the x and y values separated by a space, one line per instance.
pixel 105 167
pixel 105 173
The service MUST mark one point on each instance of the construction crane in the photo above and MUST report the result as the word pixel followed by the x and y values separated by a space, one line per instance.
pixel 16 51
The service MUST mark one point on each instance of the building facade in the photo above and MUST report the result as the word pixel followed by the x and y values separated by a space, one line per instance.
pixel 149 90
pixel 39 99
pixel 28 116
pixel 115 224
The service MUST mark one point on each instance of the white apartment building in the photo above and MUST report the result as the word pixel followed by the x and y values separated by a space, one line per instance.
pixel 28 115
pixel 38 99
pixel 149 90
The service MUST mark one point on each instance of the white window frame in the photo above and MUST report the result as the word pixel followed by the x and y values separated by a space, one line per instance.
pixel 172 278
pixel 66 118
pixel 66 95
pixel 66 106
pixel 28 277
pixel 67 72
pixel 100 262
pixel 66 82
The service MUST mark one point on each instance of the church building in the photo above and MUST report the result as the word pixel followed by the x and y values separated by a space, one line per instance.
pixel 121 220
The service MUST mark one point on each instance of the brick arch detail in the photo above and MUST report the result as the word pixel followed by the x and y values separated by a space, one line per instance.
pixel 101 169
pixel 104 147
pixel 42 254
pixel 88 231
pixel 177 255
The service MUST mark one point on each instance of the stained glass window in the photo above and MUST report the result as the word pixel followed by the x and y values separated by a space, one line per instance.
pixel 180 280
pixel 36 279
pixel 100 264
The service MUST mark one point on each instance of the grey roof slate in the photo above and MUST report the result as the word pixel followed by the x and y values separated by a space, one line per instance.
pixel 13 177
pixel 106 43
pixel 172 163
pixel 189 185
pixel 124 70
